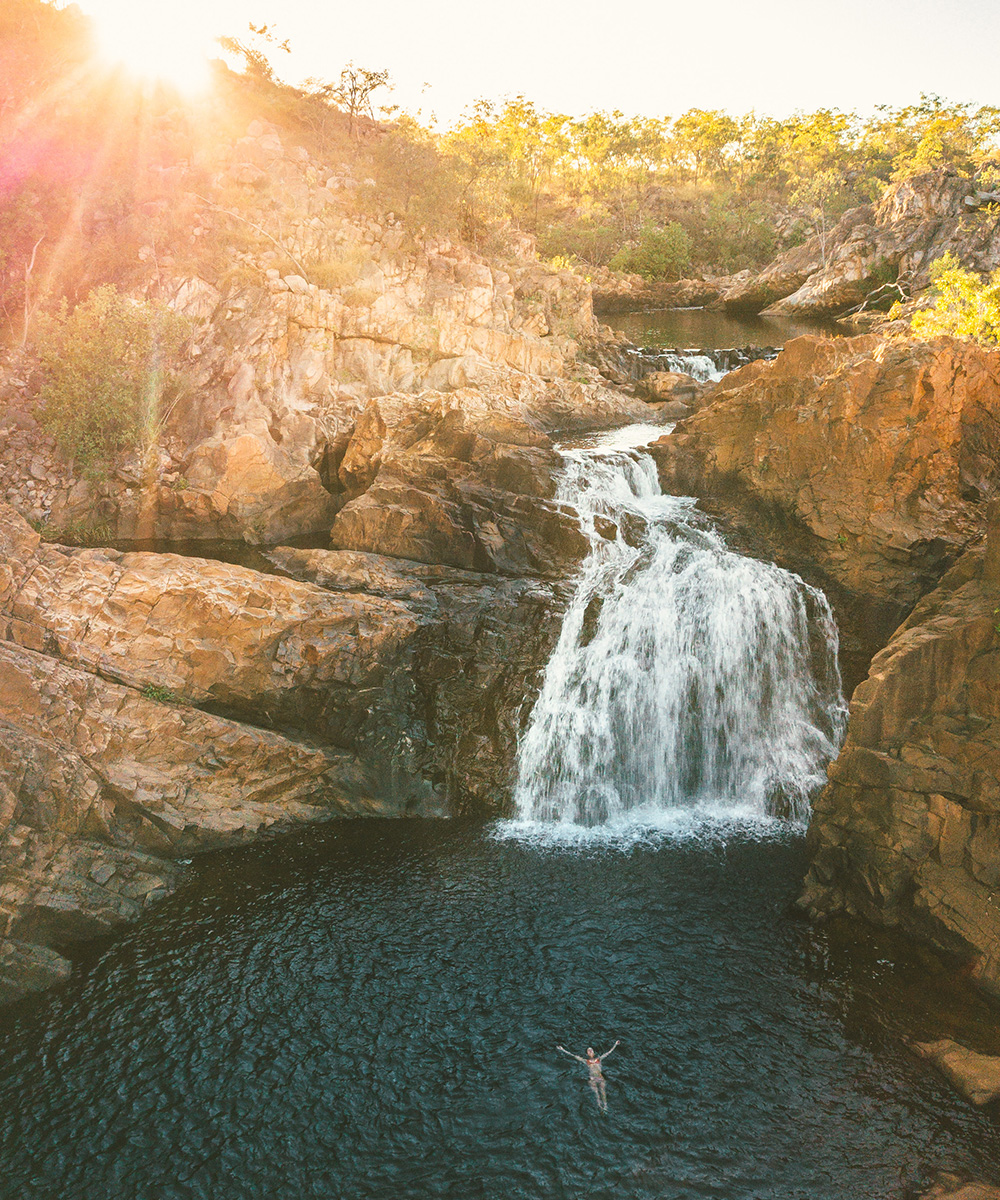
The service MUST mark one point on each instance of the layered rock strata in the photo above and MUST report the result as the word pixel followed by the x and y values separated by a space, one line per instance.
pixel 153 705
pixel 865 465
pixel 875 252
pixel 907 832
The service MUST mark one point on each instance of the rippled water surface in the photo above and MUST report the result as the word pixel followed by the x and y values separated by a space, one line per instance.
pixel 371 1010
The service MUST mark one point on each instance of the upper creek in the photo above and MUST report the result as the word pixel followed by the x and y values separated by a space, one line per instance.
pixel 372 1008
pixel 710 330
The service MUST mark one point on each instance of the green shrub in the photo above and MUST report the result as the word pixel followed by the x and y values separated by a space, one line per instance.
pixel 661 253
pixel 162 695
pixel 964 305
pixel 107 377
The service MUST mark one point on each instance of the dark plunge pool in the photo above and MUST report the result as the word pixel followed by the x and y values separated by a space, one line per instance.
pixel 371 1010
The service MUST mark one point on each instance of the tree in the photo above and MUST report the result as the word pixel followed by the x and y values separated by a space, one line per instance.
pixel 353 92
pixel 107 377
pixel 256 62
pixel 660 253
pixel 964 305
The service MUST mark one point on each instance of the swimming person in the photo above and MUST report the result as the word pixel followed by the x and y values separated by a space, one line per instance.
pixel 593 1064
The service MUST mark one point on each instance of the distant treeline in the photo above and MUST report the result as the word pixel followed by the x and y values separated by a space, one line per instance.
pixel 97 177
pixel 599 186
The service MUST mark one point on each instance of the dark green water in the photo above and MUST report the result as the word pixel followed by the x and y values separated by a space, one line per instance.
pixel 370 1010
pixel 697 327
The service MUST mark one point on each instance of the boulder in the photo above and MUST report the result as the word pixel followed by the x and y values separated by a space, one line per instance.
pixel 672 385
pixel 977 1076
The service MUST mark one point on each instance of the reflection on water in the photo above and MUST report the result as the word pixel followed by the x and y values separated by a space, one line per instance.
pixel 697 327
pixel 371 1010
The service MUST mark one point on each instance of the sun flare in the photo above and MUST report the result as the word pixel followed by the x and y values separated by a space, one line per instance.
pixel 153 40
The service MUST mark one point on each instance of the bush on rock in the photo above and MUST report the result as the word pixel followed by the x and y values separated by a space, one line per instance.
pixel 108 375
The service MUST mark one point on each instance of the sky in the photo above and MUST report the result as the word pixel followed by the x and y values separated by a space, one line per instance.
pixel 771 56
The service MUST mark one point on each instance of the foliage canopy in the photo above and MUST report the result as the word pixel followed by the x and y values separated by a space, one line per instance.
pixel 964 305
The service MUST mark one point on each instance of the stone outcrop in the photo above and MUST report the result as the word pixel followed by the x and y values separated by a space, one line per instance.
pixel 153 705
pixel 907 832
pixel 865 465
pixel 282 363
pixel 976 1076
pixel 871 247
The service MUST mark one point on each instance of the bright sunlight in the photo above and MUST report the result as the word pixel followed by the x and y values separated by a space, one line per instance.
pixel 155 41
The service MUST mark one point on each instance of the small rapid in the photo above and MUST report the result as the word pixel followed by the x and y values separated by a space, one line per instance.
pixel 686 677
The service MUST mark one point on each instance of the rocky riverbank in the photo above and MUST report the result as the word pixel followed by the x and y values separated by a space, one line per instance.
pixel 871 466
pixel 876 253
pixel 864 464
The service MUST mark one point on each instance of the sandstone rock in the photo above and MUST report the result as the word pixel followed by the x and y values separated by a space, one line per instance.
pixel 671 385
pixel 397 689
pixel 360 463
pixel 916 222
pixel 907 832
pixel 977 1076
pixel 865 465
pixel 949 1186
pixel 672 410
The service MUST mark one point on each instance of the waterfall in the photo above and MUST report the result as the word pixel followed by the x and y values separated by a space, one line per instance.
pixel 685 676
pixel 706 366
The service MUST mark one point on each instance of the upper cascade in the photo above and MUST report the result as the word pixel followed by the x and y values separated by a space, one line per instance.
pixel 685 675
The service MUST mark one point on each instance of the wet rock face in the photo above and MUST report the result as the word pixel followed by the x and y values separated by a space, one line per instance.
pixel 907 832
pixel 976 1076
pixel 949 1186
pixel 915 223
pixel 865 465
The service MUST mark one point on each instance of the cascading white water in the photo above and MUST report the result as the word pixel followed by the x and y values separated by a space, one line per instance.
pixel 685 675
pixel 699 366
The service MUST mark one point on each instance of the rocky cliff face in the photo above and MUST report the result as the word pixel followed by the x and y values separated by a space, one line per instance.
pixel 915 223
pixel 907 832
pixel 320 309
pixel 866 465
pixel 153 705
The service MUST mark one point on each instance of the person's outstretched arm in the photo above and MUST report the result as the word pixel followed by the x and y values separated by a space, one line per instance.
pixel 571 1054
pixel 603 1056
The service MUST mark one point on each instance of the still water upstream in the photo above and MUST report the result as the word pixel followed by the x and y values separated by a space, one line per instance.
pixel 707 329
pixel 370 1010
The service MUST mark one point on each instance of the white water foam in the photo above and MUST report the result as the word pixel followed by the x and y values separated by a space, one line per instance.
pixel 689 683
pixel 699 366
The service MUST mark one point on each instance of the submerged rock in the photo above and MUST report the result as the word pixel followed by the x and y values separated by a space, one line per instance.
pixel 977 1076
